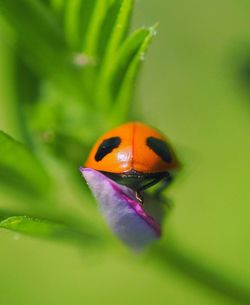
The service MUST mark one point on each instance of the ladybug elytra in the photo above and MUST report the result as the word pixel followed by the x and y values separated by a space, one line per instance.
pixel 134 155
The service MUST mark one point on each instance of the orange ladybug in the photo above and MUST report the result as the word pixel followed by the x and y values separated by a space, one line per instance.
pixel 134 155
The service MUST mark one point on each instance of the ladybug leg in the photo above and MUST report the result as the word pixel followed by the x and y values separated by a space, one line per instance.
pixel 139 197
pixel 149 184
pixel 153 181
pixel 165 183
pixel 165 177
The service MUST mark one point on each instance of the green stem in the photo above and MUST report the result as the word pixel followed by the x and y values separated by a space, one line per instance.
pixel 190 265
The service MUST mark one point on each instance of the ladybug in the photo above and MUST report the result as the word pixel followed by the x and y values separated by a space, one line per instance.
pixel 134 155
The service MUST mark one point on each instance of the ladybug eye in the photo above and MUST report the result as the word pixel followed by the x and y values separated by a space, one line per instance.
pixel 160 148
pixel 106 147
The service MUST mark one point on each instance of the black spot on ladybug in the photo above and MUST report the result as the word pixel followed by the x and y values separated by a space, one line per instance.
pixel 160 148
pixel 106 147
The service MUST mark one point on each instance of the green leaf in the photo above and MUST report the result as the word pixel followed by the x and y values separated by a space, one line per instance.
pixel 107 28
pixel 114 74
pixel 19 169
pixel 44 33
pixel 120 28
pixel 47 229
pixel 10 113
pixel 72 22
pixel 85 15
pixel 126 54
pixel 57 5
pixel 4 214
pixel 42 45
pixel 94 27
pixel 127 87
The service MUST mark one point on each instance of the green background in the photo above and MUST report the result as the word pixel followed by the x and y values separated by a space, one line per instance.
pixel 195 89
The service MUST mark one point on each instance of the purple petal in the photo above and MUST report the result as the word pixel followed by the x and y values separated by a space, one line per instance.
pixel 122 211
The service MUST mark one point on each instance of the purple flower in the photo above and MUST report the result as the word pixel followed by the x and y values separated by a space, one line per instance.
pixel 124 214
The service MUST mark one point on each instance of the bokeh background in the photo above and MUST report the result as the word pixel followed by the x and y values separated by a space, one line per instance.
pixel 194 87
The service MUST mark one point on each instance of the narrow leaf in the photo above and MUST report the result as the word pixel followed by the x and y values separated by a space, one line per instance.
pixel 122 103
pixel 127 53
pixel 85 15
pixel 57 5
pixel 107 27
pixel 46 229
pixel 42 45
pixel 19 168
pixel 10 113
pixel 109 87
pixel 72 21
pixel 119 31
pixel 94 27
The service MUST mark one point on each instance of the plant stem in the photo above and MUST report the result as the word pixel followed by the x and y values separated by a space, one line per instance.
pixel 189 264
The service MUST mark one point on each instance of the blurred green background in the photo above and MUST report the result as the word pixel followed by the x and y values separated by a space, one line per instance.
pixel 194 87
